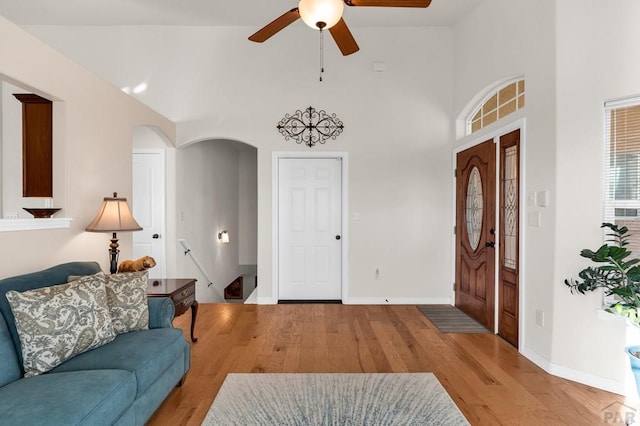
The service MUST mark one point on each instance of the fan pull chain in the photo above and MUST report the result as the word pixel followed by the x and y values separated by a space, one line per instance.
pixel 321 53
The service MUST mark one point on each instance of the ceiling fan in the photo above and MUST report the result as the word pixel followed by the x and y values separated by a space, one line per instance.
pixel 327 14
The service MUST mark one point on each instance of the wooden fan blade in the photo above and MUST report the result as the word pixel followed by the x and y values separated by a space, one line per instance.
pixel 278 24
pixel 343 37
pixel 388 3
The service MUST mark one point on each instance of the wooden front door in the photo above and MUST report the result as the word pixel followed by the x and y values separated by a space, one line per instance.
pixel 475 232
pixel 509 237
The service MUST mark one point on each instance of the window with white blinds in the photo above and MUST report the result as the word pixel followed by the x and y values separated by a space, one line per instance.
pixel 622 167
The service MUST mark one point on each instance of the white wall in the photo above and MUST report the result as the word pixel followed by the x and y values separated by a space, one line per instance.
pixel 97 126
pixel 596 61
pixel 11 152
pixel 248 206
pixel 398 128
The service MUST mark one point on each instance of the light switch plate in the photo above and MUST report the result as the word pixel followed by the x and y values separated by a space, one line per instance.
pixel 533 219
pixel 532 198
pixel 543 198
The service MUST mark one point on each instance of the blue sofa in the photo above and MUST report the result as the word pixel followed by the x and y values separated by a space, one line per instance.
pixel 122 382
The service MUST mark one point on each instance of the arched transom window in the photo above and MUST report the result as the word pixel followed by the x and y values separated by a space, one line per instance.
pixel 501 102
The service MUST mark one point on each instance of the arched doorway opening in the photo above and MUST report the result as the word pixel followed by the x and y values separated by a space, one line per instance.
pixel 216 217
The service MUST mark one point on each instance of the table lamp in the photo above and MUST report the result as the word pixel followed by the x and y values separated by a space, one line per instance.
pixel 114 216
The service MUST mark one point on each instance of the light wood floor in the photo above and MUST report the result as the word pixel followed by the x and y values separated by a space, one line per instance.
pixel 486 377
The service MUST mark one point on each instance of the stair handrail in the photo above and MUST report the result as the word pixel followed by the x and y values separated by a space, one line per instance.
pixel 188 251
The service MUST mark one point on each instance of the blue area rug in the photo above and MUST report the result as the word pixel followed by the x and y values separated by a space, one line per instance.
pixel 333 399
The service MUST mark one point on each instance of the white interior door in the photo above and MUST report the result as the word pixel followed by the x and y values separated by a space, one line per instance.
pixel 149 208
pixel 309 228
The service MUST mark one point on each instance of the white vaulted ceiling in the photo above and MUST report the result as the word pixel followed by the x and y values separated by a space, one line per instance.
pixel 253 13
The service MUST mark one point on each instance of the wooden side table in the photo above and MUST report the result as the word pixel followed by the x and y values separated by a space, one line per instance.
pixel 182 292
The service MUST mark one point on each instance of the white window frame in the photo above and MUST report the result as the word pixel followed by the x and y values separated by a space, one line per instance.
pixel 493 91
pixel 610 204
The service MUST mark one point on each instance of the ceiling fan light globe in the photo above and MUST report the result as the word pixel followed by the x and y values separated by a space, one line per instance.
pixel 328 12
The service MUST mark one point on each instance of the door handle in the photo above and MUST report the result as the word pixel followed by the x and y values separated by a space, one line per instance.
pixel 338 237
pixel 155 236
pixel 491 244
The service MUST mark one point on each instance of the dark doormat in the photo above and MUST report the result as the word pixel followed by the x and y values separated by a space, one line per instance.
pixel 450 319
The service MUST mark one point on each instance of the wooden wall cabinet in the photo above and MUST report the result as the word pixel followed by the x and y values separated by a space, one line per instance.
pixel 37 146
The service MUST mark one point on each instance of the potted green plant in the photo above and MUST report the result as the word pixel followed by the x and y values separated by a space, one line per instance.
pixel 619 276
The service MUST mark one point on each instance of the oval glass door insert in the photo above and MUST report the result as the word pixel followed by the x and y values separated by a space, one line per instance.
pixel 474 208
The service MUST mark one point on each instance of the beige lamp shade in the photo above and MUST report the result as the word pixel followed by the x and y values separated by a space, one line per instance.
pixel 114 216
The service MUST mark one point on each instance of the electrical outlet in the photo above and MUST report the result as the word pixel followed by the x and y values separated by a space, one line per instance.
pixel 540 317
pixel 355 215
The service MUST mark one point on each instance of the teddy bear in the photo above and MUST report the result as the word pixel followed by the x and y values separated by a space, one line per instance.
pixel 141 264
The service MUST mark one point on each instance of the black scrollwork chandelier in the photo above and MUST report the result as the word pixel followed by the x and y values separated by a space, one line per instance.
pixel 310 126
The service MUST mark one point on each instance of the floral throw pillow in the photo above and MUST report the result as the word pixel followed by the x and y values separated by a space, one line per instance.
pixel 127 300
pixel 56 323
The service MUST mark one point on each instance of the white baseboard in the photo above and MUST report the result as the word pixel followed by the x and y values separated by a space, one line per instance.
pixel 253 298
pixel 372 301
pixel 396 301
pixel 575 375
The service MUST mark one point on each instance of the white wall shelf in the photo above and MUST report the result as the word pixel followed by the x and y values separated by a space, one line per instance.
pixel 8 225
